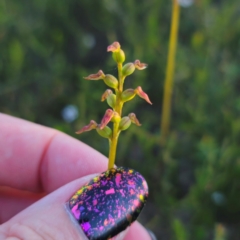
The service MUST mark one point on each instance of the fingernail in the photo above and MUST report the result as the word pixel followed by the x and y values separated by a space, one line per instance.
pixel 109 203
pixel 152 235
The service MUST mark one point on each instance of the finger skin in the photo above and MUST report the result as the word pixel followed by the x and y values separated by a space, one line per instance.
pixel 13 201
pixel 68 159
pixel 41 159
pixel 137 231
pixel 49 219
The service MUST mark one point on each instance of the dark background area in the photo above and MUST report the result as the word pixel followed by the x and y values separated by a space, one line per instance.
pixel 47 47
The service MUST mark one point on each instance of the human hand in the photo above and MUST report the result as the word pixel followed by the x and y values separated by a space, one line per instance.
pixel 40 170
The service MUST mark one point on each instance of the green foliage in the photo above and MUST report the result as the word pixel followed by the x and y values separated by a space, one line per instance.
pixel 179 230
pixel 48 46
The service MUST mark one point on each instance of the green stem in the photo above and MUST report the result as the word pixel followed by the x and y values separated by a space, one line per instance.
pixel 113 146
pixel 166 109
pixel 118 109
pixel 120 78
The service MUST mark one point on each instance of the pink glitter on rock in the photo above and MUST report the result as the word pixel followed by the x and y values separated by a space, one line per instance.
pixel 110 191
pixel 118 179
pixel 86 226
pixel 76 211
pixel 109 205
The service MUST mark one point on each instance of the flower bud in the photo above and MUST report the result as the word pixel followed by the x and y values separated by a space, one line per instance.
pixel 124 123
pixel 142 94
pixel 106 94
pixel 128 94
pixel 111 100
pixel 134 119
pixel 106 118
pixel 110 81
pixel 106 132
pixel 89 127
pixel 97 76
pixel 119 56
pixel 116 117
pixel 128 69
pixel 139 65
pixel 114 47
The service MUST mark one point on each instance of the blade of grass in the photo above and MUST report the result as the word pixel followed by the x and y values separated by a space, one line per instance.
pixel 168 85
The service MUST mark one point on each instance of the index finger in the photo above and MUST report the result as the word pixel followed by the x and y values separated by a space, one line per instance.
pixel 37 158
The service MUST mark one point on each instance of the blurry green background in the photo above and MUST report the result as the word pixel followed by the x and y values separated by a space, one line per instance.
pixel 47 47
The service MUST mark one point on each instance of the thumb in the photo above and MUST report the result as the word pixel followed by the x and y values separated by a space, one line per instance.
pixel 95 207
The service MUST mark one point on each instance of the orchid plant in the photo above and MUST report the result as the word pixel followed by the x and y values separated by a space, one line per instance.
pixel 116 100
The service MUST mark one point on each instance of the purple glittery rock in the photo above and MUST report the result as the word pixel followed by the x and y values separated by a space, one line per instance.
pixel 109 203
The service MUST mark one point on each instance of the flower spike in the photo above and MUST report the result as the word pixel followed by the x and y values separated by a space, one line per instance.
pixel 89 127
pixel 97 76
pixel 115 98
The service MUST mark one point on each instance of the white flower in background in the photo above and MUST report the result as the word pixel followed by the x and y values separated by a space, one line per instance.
pixel 89 41
pixel 218 198
pixel 185 3
pixel 69 113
